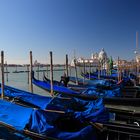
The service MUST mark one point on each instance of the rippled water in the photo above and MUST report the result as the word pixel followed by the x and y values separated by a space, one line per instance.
pixel 20 80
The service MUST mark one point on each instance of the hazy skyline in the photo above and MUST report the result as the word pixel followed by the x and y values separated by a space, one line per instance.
pixel 65 26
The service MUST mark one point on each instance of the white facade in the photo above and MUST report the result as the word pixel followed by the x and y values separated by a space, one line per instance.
pixel 138 58
pixel 94 60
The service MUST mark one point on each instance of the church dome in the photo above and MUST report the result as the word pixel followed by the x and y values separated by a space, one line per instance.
pixel 138 58
pixel 102 55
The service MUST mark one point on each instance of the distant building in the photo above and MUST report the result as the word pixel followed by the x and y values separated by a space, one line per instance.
pixel 138 58
pixel 95 59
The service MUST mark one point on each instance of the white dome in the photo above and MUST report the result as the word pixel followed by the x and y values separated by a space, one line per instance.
pixel 102 55
pixel 138 58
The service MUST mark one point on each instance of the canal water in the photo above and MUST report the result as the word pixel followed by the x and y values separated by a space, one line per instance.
pixel 18 77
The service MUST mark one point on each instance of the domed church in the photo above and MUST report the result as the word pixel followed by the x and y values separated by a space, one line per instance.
pixel 95 59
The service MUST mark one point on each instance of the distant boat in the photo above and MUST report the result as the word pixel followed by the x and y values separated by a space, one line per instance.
pixel 87 75
pixel 18 71
pixel 6 72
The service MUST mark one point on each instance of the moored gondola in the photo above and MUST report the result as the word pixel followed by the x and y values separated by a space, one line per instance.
pixel 40 124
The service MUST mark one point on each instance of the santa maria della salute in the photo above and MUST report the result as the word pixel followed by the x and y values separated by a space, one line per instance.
pixel 95 59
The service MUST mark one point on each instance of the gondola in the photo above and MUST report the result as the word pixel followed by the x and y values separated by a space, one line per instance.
pixel 106 84
pixel 104 75
pixel 101 83
pixel 7 133
pixel 62 90
pixel 128 89
pixel 73 111
pixel 121 131
pixel 88 82
pixel 72 93
pixel 93 116
pixel 101 88
pixel 87 75
pixel 28 98
pixel 55 104
pixel 34 132
pixel 114 96
pixel 122 101
pixel 40 124
pixel 61 104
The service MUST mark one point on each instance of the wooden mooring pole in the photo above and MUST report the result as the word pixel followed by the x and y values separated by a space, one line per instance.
pixel 31 70
pixel 51 73
pixel 28 77
pixel 75 71
pixel 89 70
pixel 6 71
pixel 47 71
pixel 84 71
pixel 38 71
pixel 2 76
pixel 67 73
pixel 118 69
pixel 99 69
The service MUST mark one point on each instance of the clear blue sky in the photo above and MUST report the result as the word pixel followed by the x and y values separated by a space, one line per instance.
pixel 63 26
